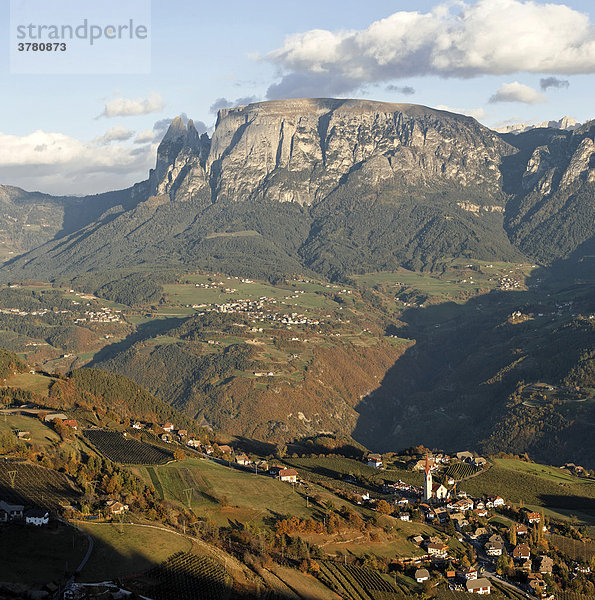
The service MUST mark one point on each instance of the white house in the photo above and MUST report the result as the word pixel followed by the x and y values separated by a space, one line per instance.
pixel 289 475
pixel 479 586
pixel 37 517
pixel 422 575
pixel 374 460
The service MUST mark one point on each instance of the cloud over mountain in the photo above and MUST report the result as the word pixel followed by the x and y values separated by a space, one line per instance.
pixel 115 134
pixel 131 107
pixel 455 39
pixel 60 164
pixel 517 92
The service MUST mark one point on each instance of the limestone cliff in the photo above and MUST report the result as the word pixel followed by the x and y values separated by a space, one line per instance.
pixel 300 150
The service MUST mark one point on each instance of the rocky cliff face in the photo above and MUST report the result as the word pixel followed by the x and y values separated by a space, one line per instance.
pixel 299 150
pixel 554 210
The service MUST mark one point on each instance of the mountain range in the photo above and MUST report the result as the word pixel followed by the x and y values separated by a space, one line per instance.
pixel 565 123
pixel 321 185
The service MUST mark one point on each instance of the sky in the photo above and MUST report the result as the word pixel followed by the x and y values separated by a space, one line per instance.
pixel 500 61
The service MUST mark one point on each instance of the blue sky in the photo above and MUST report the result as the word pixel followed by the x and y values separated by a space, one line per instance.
pixel 202 52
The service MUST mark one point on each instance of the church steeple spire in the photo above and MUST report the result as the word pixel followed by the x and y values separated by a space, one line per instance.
pixel 428 479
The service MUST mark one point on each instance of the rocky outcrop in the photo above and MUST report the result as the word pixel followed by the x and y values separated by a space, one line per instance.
pixel 180 169
pixel 300 150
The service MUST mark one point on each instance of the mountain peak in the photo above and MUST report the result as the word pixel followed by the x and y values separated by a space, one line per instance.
pixel 176 129
pixel 565 124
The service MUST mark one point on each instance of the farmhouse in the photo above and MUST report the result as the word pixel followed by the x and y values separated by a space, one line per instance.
pixel 494 501
pixel 462 505
pixel 533 517
pixel 466 456
pixel 8 512
pixel 422 575
pixel 438 549
pixel 50 417
pixel 243 460
pixel 169 427
pixel 37 517
pixel 289 475
pixel 521 529
pixel 375 460
pixel 522 552
pixel 494 548
pixel 470 573
pixel 116 508
pixel 71 423
pixel 225 450
pixel 546 564
pixel 479 586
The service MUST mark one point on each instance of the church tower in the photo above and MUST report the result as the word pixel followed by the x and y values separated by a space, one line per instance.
pixel 428 480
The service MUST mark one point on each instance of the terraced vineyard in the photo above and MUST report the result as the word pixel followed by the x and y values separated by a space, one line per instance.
pixel 572 596
pixel 189 576
pixel 27 484
pixel 460 471
pixel 576 549
pixel 117 448
pixel 358 583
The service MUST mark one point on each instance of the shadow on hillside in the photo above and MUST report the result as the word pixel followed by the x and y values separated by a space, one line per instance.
pixel 142 331
pixel 450 388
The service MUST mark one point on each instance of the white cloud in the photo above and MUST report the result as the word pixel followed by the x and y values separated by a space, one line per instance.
pixel 476 113
pixel 455 39
pixel 148 135
pixel 129 107
pixel 517 92
pixel 58 164
pixel 115 134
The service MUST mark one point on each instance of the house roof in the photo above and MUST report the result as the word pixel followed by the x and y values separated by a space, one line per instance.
pixel 476 584
pixel 521 550
pixel 437 546
pixel 420 573
pixel 288 473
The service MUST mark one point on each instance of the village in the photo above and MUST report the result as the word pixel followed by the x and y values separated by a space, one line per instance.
pixel 474 544
pixel 508 549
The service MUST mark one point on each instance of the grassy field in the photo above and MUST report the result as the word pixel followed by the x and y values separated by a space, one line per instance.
pixel 128 549
pixel 39 554
pixel 562 495
pixel 38 384
pixel 336 467
pixel 41 434
pixel 460 280
pixel 226 494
